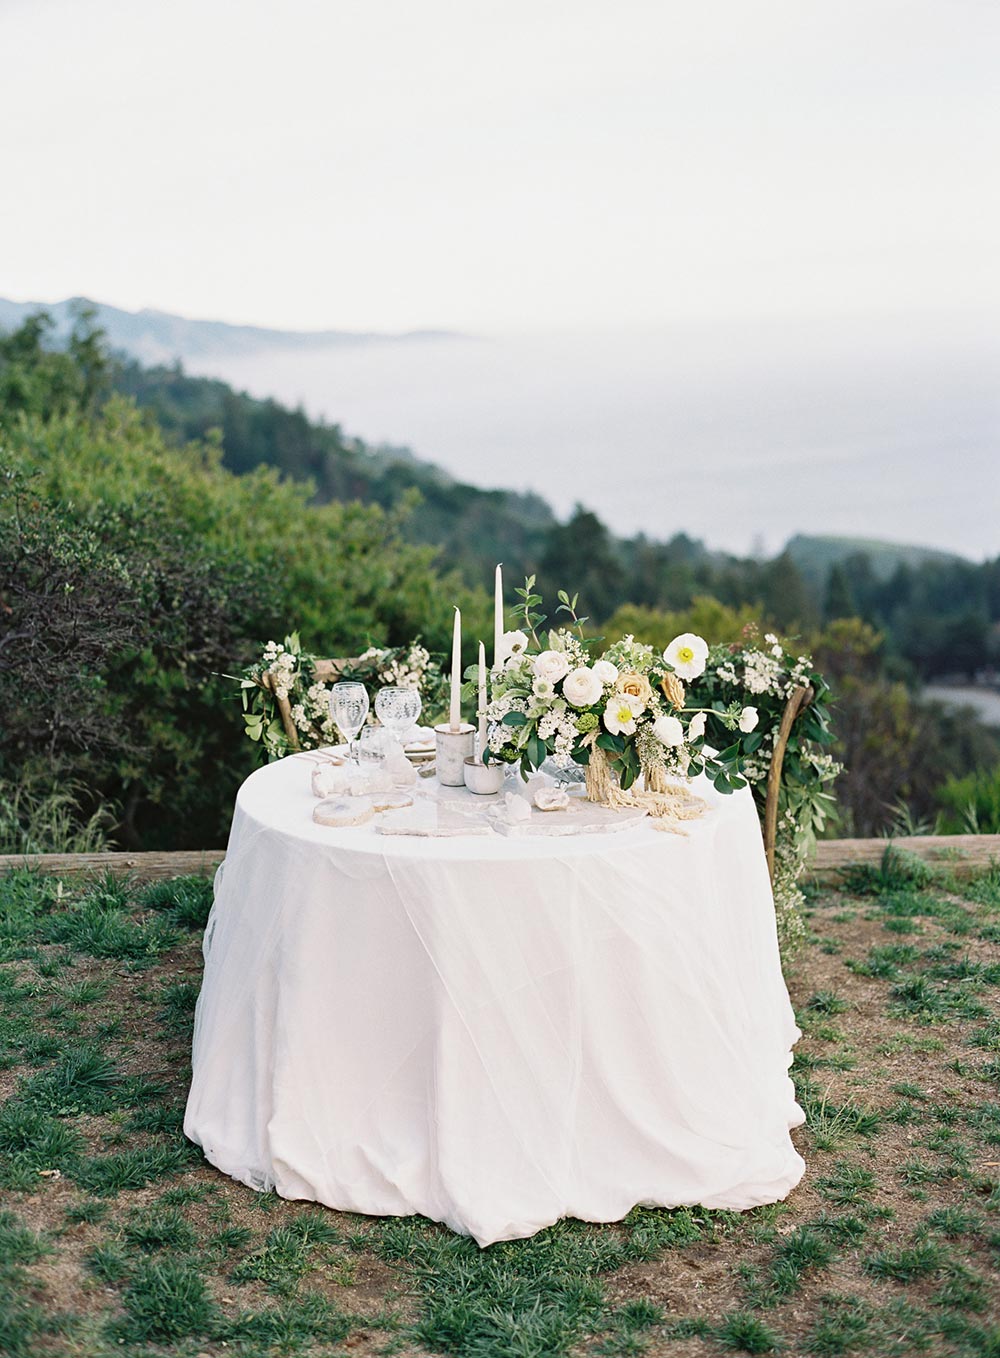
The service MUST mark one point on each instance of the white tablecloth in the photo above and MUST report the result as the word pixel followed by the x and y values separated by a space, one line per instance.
pixel 493 1032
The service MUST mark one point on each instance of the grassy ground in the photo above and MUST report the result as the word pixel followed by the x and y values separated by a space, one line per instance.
pixel 115 1237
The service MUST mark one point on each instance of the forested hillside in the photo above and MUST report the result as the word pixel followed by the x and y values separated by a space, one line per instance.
pixel 939 614
pixel 156 529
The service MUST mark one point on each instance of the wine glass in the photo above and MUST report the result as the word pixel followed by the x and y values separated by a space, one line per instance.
pixel 398 709
pixel 349 709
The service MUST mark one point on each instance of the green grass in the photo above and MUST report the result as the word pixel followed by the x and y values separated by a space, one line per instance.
pixel 897 1075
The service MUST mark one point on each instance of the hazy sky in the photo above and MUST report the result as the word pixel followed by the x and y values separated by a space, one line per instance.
pixel 398 163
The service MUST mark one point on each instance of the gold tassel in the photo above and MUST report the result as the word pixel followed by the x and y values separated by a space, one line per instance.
pixel 666 803
pixel 599 781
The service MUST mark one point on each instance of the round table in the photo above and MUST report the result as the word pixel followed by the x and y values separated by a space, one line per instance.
pixel 495 1032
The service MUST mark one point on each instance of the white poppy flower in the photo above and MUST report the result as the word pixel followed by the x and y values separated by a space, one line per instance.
pixel 543 688
pixel 749 718
pixel 668 731
pixel 512 646
pixel 620 714
pixel 696 729
pixel 582 687
pixel 551 665
pixel 686 655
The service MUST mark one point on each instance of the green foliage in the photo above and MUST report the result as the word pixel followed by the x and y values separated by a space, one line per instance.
pixel 718 623
pixel 972 804
pixel 897 750
pixel 156 572
pixel 747 1334
pixel 166 1300
pixel 106 1175
pixel 36 817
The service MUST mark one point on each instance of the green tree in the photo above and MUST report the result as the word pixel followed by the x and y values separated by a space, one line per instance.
pixel 838 601
pixel 580 556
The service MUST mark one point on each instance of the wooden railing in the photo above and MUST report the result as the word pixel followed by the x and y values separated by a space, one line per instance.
pixel 961 854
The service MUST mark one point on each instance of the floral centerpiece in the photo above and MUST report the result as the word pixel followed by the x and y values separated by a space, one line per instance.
pixel 622 715
pixel 286 677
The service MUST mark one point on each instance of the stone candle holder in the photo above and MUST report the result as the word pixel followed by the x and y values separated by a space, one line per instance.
pixel 453 748
pixel 483 779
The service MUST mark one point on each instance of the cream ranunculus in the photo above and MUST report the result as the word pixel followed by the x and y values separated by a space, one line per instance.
pixel 686 655
pixel 582 687
pixel 605 671
pixel 668 731
pixel 620 714
pixel 696 727
pixel 749 718
pixel 635 685
pixel 551 665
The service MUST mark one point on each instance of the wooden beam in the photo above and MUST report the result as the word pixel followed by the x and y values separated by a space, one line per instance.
pixel 149 866
pixel 961 854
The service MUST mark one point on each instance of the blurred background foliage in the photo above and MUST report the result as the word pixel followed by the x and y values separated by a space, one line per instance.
pixel 156 528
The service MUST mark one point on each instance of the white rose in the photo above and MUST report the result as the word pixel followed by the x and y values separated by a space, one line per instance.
pixel 620 714
pixel 668 731
pixel 686 655
pixel 605 671
pixel 551 665
pixel 697 727
pixel 583 687
pixel 749 718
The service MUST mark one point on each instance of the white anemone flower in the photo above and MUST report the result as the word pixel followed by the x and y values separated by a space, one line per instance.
pixel 749 718
pixel 696 727
pixel 686 655
pixel 512 647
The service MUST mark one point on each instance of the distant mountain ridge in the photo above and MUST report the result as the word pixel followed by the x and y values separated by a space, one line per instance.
pixel 475 526
pixel 155 337
pixel 817 554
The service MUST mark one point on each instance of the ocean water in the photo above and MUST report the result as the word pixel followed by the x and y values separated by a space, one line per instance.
pixel 740 434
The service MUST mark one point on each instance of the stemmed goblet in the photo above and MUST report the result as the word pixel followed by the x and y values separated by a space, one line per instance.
pixel 398 709
pixel 349 709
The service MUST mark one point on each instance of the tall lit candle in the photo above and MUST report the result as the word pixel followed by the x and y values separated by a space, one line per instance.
pixel 482 701
pixel 498 628
pixel 455 715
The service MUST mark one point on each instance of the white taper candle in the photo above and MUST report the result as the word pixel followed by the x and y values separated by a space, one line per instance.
pixel 482 701
pixel 498 627
pixel 455 715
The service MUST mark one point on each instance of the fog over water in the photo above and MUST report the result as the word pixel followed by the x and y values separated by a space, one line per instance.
pixel 741 434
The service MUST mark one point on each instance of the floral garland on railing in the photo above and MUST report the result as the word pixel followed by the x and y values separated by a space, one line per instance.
pixel 286 671
pixel 766 672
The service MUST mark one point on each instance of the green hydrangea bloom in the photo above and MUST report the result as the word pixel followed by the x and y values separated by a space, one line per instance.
pixel 586 721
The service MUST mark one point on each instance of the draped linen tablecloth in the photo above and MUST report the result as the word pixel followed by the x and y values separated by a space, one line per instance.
pixel 494 1032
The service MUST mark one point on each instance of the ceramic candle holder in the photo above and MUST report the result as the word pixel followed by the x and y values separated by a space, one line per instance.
pixel 484 779
pixel 453 748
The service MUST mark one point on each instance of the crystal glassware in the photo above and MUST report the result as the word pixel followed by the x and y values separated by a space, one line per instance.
pixel 398 709
pixel 349 709
pixel 371 747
